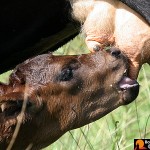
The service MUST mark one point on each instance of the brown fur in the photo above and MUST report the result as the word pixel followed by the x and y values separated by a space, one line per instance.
pixel 49 95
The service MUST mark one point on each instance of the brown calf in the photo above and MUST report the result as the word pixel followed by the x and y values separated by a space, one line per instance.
pixel 49 95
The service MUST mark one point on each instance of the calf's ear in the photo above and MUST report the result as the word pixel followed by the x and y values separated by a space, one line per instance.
pixel 12 102
pixel 8 92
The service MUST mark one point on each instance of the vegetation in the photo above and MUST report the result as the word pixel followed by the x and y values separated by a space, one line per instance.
pixel 118 129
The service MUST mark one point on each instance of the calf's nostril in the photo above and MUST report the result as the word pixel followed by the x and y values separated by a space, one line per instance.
pixel 115 52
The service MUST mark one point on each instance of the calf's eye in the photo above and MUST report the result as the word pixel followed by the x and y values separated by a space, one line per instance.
pixel 66 74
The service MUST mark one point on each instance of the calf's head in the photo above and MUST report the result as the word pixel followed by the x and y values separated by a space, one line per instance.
pixel 49 95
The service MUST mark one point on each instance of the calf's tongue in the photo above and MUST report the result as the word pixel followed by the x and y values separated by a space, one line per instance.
pixel 127 83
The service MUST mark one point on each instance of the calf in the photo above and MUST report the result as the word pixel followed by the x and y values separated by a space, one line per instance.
pixel 49 95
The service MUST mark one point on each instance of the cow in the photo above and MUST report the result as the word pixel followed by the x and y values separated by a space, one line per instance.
pixel 112 23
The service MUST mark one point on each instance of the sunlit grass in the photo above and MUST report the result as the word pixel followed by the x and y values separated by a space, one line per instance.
pixel 118 129
pixel 5 76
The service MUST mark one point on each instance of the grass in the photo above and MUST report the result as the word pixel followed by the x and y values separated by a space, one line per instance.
pixel 118 129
